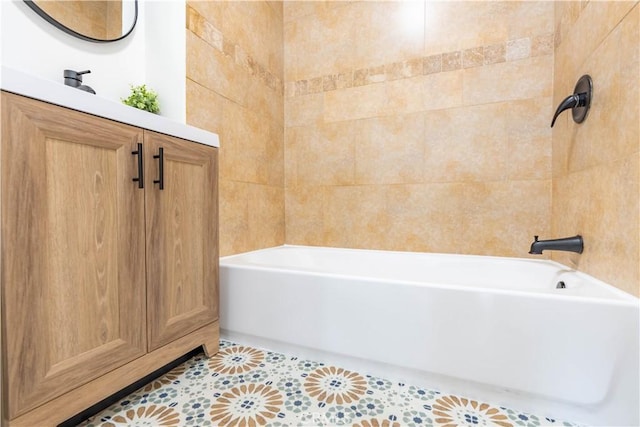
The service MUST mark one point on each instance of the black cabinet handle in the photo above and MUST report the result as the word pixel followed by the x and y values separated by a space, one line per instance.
pixel 160 157
pixel 140 178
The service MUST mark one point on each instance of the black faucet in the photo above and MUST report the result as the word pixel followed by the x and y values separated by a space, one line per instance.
pixel 74 79
pixel 570 102
pixel 579 103
pixel 570 244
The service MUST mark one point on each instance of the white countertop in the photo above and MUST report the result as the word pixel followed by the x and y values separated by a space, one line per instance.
pixel 31 86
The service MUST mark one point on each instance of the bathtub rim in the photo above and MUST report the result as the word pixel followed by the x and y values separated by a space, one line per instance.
pixel 620 297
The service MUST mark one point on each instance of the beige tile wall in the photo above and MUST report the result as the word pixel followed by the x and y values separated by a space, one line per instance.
pixel 596 163
pixel 235 88
pixel 422 126
pixel 96 19
pixel 418 125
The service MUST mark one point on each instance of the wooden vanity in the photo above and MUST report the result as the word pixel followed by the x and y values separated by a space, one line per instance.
pixel 109 261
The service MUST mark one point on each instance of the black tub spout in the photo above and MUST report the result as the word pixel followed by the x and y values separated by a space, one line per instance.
pixel 570 244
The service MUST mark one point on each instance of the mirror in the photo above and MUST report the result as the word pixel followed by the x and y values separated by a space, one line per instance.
pixel 91 20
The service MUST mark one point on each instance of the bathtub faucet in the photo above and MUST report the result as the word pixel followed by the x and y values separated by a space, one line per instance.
pixel 571 244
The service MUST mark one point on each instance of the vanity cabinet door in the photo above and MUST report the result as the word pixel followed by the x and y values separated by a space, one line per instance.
pixel 72 250
pixel 182 257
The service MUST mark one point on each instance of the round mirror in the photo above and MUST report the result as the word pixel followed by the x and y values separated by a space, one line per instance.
pixel 91 20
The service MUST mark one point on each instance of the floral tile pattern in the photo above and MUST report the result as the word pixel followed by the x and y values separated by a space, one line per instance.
pixel 246 386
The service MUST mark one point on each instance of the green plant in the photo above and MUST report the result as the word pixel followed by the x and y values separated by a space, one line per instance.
pixel 143 99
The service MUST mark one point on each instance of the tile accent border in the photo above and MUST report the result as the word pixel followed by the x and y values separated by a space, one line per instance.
pixel 508 51
pixel 202 28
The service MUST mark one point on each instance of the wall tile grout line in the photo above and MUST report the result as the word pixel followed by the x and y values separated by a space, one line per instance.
pixel 206 31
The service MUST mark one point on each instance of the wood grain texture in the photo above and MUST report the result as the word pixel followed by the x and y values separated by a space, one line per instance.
pixel 72 250
pixel 69 404
pixel 83 178
pixel 182 239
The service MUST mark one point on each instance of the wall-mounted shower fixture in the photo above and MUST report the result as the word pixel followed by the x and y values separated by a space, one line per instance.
pixel 579 102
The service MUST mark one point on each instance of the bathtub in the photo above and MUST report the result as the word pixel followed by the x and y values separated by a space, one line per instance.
pixel 490 327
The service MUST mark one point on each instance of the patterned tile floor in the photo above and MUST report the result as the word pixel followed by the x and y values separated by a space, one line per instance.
pixel 246 386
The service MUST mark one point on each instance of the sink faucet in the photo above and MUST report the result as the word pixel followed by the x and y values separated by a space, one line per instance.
pixel 570 244
pixel 74 79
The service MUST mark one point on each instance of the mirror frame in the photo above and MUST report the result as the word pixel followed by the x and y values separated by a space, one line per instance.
pixel 52 21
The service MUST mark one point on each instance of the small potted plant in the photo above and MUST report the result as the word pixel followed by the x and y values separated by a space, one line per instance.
pixel 143 99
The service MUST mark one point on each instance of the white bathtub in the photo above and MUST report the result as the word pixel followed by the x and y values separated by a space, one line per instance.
pixel 498 324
